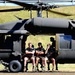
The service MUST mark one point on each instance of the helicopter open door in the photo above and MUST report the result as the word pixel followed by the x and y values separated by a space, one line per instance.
pixel 66 49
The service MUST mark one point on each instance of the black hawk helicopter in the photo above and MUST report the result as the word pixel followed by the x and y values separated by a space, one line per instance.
pixel 14 34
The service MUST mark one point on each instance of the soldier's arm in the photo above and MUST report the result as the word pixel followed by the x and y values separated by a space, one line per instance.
pixel 42 51
pixel 28 52
pixel 37 52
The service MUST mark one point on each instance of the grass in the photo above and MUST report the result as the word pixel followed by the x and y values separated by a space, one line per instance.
pixel 35 39
pixel 9 16
pixel 61 67
pixel 1 67
pixel 66 67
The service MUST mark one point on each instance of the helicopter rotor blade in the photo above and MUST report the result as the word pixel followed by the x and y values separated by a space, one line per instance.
pixel 10 10
pixel 60 13
pixel 23 4
pixel 40 6
pixel 59 6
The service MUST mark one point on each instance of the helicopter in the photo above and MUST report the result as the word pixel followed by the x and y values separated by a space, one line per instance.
pixel 13 35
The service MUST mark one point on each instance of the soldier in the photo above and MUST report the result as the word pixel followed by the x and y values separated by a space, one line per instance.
pixel 40 55
pixel 29 55
pixel 50 51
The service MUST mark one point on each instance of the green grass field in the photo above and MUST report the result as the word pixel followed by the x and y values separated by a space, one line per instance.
pixel 9 16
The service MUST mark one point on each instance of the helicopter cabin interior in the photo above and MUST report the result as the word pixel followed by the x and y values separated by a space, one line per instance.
pixel 11 44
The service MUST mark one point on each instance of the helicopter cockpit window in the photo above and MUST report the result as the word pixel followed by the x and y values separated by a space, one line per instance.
pixel 5 42
pixel 65 41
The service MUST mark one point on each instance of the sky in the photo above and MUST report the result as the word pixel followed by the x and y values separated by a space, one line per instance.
pixel 50 0
pixel 60 2
pixel 45 0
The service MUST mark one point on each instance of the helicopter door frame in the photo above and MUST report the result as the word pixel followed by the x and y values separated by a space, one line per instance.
pixel 64 47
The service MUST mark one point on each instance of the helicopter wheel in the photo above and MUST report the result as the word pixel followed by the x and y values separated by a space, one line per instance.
pixel 15 66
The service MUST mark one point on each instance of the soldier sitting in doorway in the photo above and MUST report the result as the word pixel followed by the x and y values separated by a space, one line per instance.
pixel 29 55
pixel 40 55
